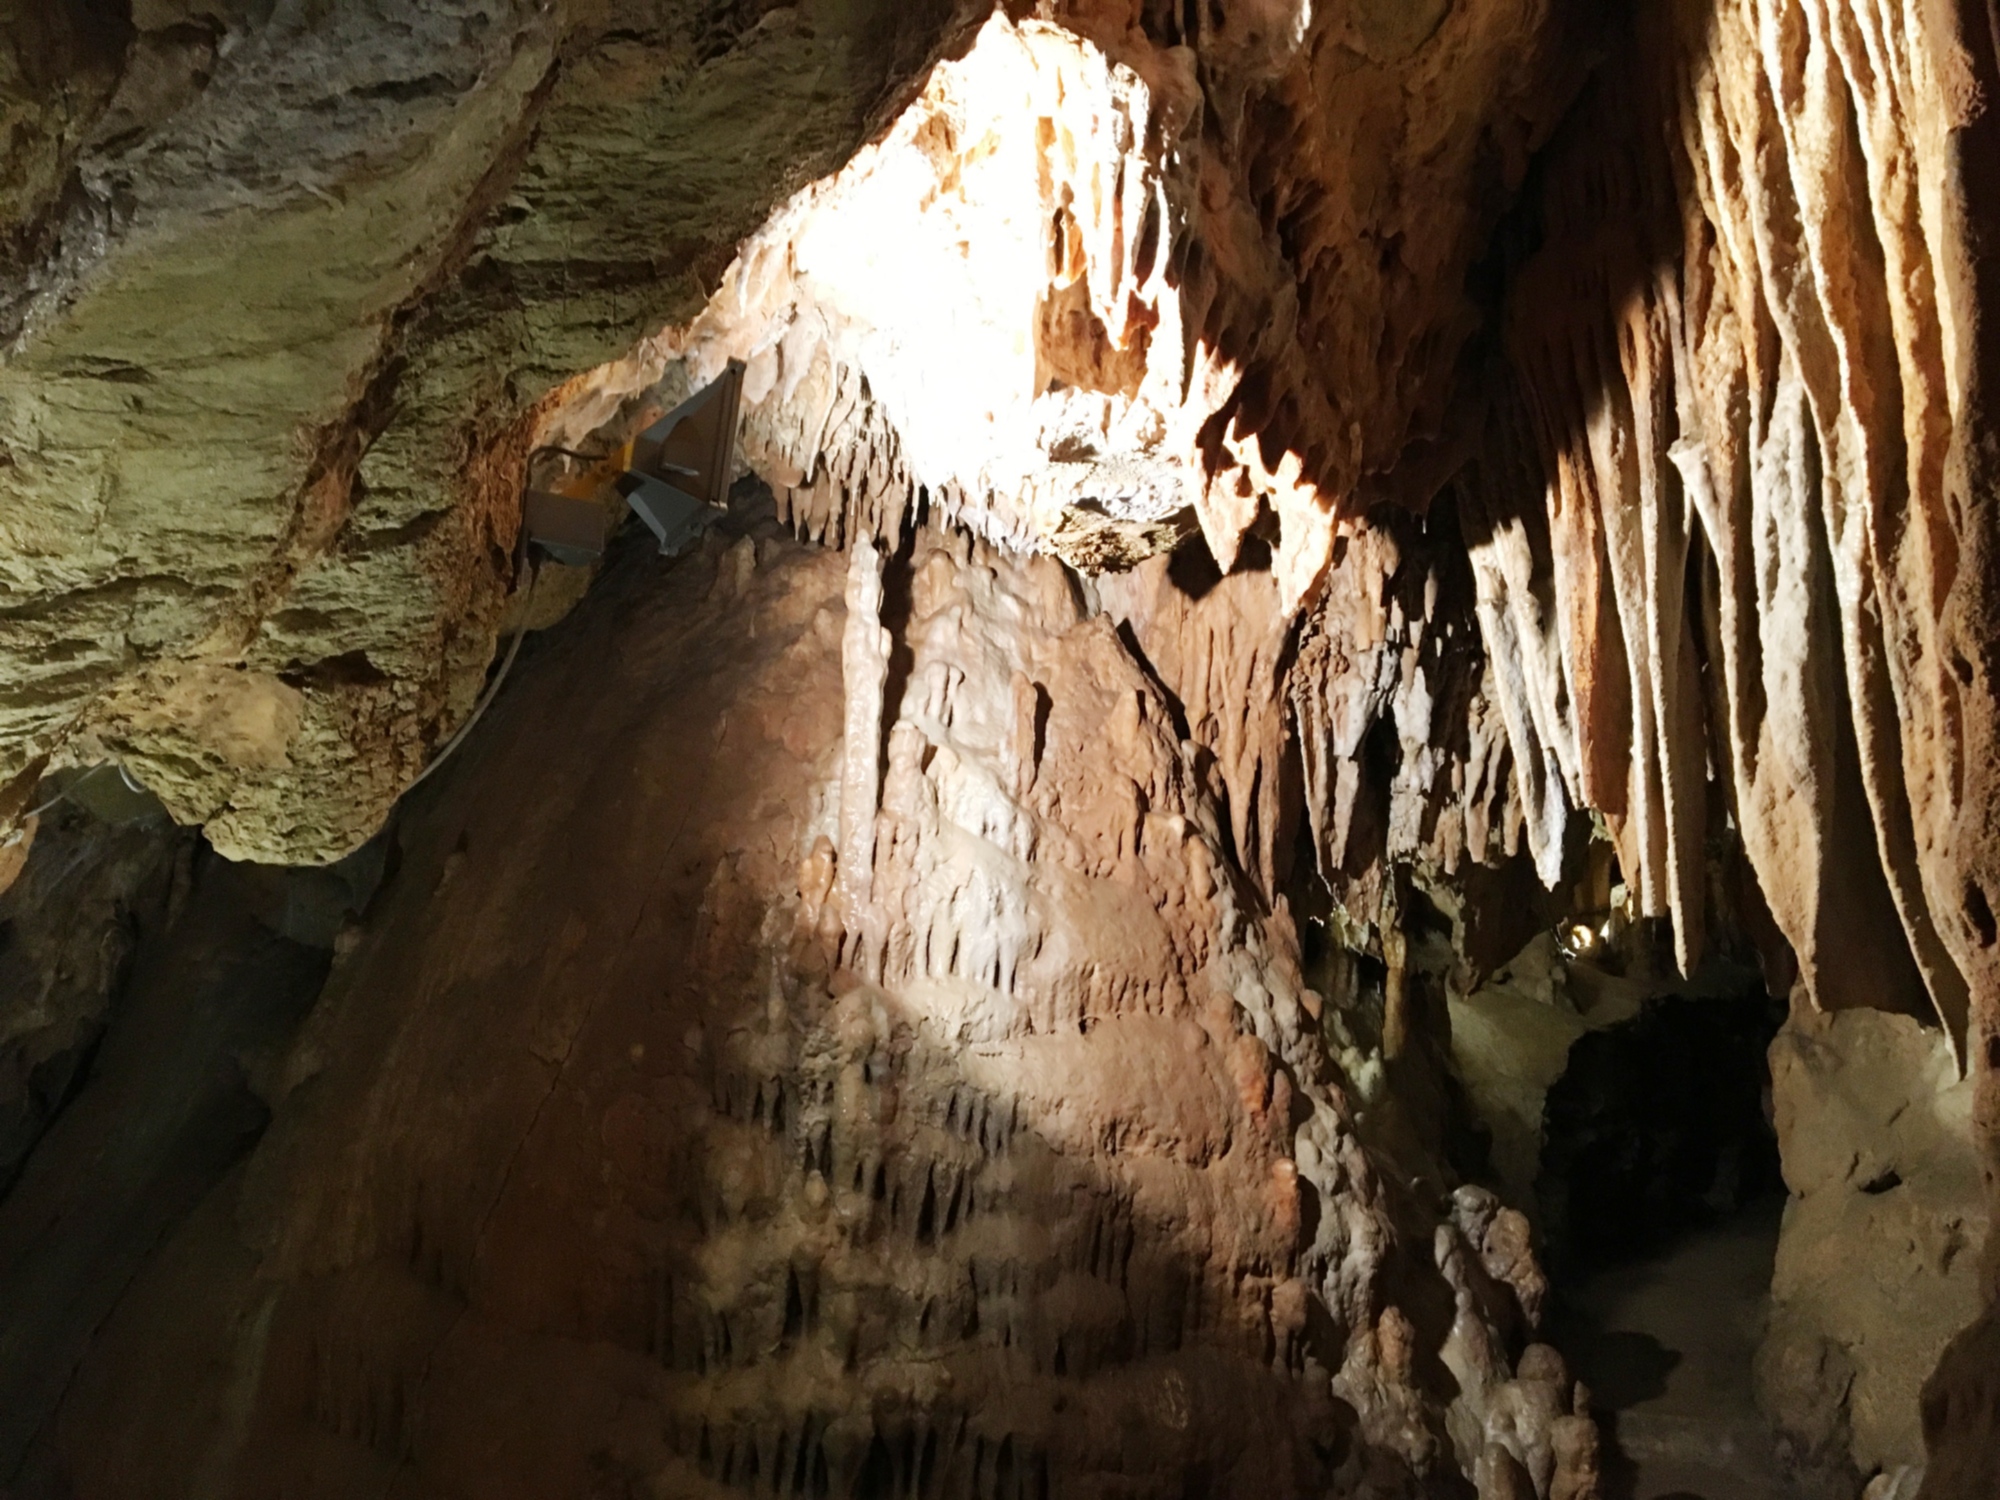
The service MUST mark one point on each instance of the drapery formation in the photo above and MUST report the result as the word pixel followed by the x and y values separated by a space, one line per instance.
pixel 1734 361
pixel 1701 460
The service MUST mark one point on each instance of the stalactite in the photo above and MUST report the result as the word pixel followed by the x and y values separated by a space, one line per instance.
pixel 1745 419
pixel 864 674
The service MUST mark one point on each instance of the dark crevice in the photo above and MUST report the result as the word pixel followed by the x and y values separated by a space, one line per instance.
pixel 1658 1127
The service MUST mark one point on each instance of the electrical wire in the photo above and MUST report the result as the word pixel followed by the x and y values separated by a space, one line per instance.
pixel 35 812
pixel 589 458
pixel 493 689
pixel 63 796
pixel 478 711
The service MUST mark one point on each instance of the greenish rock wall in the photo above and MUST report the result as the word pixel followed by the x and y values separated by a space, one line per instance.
pixel 287 281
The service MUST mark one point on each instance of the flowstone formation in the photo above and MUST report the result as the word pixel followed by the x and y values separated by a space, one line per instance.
pixel 1716 466
pixel 683 1126
pixel 1712 494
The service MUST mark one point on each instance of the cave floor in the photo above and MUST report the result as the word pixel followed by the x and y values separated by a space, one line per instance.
pixel 1665 1344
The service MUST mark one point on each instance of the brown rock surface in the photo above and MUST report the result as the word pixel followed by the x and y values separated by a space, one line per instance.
pixel 637 1144
pixel 1876 1128
pixel 282 280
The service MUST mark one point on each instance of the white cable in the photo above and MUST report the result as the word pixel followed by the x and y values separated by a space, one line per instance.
pixel 60 797
pixel 36 812
pixel 492 691
pixel 478 709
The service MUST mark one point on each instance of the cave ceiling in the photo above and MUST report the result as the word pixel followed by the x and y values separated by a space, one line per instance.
pixel 1577 407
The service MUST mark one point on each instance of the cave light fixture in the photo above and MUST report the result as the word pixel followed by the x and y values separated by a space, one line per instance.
pixel 674 475
pixel 678 470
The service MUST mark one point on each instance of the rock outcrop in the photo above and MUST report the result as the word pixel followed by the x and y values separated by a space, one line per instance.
pixel 643 1142
pixel 69 922
pixel 282 281
pixel 1879 1152
pixel 1704 465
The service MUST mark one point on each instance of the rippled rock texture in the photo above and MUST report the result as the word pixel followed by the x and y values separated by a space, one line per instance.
pixel 283 281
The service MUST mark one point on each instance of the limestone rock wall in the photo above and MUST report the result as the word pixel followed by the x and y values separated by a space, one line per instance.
pixel 1751 528
pixel 1879 1150
pixel 1219 278
pixel 1743 359
pixel 1702 462
pixel 282 279
pixel 1228 283
pixel 69 922
pixel 646 1145
pixel 293 292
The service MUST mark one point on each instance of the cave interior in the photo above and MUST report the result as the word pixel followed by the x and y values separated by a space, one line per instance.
pixel 1058 750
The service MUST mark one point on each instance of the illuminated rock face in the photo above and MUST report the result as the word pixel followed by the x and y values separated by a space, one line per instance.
pixel 1099 284
pixel 1265 455
pixel 650 1141
pixel 1705 467
pixel 317 278
pixel 1750 410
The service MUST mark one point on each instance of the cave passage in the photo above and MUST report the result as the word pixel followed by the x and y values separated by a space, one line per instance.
pixel 1661 1200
